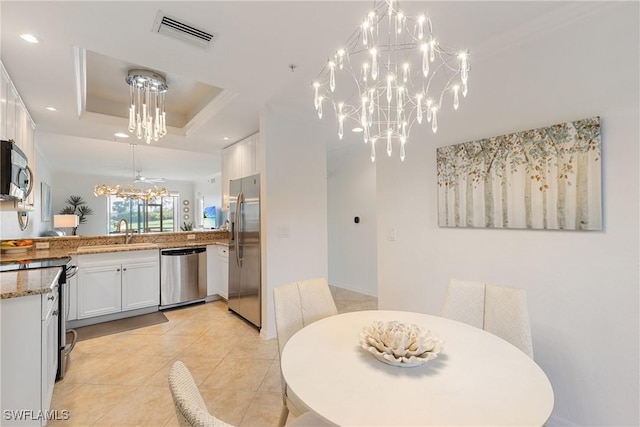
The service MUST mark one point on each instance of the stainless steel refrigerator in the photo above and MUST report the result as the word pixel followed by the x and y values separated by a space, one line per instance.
pixel 244 249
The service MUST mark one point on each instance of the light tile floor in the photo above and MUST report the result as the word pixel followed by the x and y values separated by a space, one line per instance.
pixel 121 379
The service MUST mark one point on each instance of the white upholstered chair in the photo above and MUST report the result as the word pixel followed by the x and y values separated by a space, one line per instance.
pixel 297 305
pixel 500 310
pixel 191 410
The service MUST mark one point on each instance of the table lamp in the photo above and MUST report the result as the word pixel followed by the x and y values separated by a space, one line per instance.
pixel 66 221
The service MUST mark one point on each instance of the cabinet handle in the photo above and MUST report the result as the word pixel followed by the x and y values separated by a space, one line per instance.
pixel 124 269
pixel 55 313
pixel 117 269
pixel 51 297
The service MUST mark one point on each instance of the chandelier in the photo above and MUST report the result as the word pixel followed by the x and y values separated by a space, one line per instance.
pixel 391 73
pixel 129 191
pixel 147 118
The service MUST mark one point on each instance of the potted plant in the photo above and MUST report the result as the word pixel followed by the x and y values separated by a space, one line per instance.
pixel 77 206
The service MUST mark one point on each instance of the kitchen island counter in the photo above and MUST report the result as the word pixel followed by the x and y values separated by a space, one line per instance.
pixel 21 283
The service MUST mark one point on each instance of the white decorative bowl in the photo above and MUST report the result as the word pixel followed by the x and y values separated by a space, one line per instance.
pixel 399 344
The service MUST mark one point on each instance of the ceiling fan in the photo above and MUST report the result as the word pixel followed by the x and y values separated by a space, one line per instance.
pixel 137 175
pixel 141 178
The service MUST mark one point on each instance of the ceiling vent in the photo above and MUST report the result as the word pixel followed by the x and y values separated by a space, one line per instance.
pixel 173 28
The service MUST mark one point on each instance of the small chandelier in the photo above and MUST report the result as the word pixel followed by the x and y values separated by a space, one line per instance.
pixel 147 118
pixel 129 191
pixel 402 75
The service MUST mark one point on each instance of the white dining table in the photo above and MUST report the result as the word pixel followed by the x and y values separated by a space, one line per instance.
pixel 478 379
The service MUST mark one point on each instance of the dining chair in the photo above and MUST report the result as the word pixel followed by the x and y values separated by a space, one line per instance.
pixel 191 410
pixel 501 310
pixel 296 305
pixel 464 302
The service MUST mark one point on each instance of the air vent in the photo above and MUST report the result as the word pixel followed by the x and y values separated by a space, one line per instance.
pixel 173 28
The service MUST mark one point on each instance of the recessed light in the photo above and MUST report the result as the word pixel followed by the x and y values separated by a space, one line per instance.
pixel 121 135
pixel 29 38
pixel 51 109
pixel 226 138
pixel 357 130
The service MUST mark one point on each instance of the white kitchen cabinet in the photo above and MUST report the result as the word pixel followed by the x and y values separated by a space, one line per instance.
pixel 16 124
pixel 223 267
pixel 99 290
pixel 10 112
pixel 29 341
pixel 218 270
pixel 114 282
pixel 140 285
pixel 3 103
pixel 238 161
pixel 212 270
pixel 49 346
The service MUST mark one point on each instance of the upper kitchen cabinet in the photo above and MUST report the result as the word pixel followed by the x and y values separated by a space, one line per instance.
pixel 16 124
pixel 238 161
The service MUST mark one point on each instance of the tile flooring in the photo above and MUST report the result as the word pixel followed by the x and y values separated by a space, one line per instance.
pixel 121 379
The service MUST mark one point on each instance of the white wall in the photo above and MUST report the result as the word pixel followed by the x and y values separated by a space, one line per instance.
pixel 209 190
pixel 351 192
pixel 294 205
pixel 9 228
pixel 582 287
pixel 66 184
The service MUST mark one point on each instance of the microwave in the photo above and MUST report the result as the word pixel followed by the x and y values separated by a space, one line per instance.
pixel 15 175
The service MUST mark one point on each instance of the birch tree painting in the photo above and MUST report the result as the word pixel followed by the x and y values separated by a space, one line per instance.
pixel 546 178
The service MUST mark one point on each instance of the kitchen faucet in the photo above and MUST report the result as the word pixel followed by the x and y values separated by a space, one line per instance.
pixel 127 236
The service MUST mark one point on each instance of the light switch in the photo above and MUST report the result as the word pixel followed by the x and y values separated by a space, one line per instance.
pixel 392 234
pixel 283 231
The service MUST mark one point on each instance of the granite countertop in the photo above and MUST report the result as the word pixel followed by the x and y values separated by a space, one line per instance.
pixel 37 281
pixel 33 255
pixel 21 283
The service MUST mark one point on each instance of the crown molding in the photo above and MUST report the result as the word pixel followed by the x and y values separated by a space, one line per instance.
pixel 211 109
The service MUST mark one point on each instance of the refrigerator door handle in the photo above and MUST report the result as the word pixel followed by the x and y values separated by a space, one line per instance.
pixel 238 227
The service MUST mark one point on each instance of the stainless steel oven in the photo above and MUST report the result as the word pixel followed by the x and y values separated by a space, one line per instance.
pixel 65 344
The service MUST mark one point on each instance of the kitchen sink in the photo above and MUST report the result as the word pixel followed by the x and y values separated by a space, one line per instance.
pixel 116 248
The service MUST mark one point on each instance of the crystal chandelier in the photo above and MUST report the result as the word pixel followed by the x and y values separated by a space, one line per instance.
pixel 129 191
pixel 402 75
pixel 146 110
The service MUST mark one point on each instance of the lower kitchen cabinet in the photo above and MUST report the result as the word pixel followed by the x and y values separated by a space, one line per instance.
pixel 29 341
pixel 140 285
pixel 115 282
pixel 99 290
pixel 218 270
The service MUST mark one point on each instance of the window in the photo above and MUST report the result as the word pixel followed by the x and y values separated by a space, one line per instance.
pixel 155 216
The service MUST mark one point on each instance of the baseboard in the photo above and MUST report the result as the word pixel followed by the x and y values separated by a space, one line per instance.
pixel 353 289
pixel 214 297
pixel 78 323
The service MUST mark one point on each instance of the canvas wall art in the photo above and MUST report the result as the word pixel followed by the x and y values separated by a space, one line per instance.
pixel 546 178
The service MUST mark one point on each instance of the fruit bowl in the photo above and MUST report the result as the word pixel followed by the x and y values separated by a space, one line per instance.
pixel 399 344
pixel 16 246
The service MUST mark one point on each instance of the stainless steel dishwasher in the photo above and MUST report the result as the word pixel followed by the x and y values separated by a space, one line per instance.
pixel 183 276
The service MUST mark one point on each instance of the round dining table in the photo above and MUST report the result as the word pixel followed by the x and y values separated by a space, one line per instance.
pixel 478 379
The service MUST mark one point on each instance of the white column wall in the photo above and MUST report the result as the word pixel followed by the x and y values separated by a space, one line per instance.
pixel 294 205
pixel 582 287
pixel 351 192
